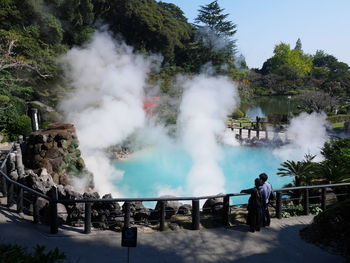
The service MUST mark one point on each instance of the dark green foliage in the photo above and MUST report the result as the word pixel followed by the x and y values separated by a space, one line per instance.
pixel 298 210
pixel 336 166
pixel 338 118
pixel 291 71
pixel 298 45
pixel 215 33
pixel 13 98
pixel 16 253
pixel 148 25
pixel 21 126
pixel 331 229
pixel 237 114
pixel 303 171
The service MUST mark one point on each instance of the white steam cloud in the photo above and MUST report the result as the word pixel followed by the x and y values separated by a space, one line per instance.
pixel 307 133
pixel 204 108
pixel 106 104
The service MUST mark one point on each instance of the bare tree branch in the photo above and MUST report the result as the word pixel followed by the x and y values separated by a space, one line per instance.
pixel 9 61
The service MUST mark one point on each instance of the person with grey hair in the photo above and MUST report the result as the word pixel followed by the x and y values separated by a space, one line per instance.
pixel 266 190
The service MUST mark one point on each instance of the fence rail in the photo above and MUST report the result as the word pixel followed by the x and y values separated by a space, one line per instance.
pixel 8 191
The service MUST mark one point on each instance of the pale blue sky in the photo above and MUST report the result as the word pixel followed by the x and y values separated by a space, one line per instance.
pixel 261 24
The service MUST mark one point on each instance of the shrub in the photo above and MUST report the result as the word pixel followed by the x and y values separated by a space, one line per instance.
pixel 21 126
pixel 338 118
pixel 237 114
pixel 16 253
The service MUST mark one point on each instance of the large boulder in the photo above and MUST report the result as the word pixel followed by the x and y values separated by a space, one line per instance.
pixel 42 184
pixel 171 207
pixel 213 206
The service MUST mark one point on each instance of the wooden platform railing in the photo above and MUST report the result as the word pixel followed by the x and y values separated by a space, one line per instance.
pixel 228 202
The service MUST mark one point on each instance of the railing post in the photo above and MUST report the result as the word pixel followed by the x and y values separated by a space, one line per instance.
pixel 226 211
pixel 53 211
pixel 195 215
pixel 257 132
pixel 87 219
pixel 266 134
pixel 240 132
pixel 10 195
pixel 4 182
pixel 306 202
pixel 36 215
pixel 249 132
pixel 20 200
pixel 162 216
pixel 127 214
pixel 323 199
pixel 279 205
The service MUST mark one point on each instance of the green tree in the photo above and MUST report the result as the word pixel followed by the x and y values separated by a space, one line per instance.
pixel 286 58
pixel 216 35
pixel 298 45
pixel 149 26
pixel 336 166
pixel 302 171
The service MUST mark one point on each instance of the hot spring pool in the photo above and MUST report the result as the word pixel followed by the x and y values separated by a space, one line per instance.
pixel 162 171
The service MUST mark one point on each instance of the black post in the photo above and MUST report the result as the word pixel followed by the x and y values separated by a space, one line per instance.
pixel 226 211
pixel 257 132
pixel 53 211
pixel 162 216
pixel 20 200
pixel 127 214
pixel 279 205
pixel 249 131
pixel 306 202
pixel 323 199
pixel 10 195
pixel 36 215
pixel 266 134
pixel 87 221
pixel 195 215
pixel 240 132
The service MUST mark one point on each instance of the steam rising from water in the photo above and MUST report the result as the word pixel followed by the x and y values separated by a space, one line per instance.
pixel 106 104
pixel 308 134
pixel 204 108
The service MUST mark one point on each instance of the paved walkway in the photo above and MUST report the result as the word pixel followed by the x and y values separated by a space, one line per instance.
pixel 278 243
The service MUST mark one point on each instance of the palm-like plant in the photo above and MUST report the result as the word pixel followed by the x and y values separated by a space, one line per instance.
pixel 302 171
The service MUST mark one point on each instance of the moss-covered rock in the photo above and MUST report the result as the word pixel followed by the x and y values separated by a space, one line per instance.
pixel 55 148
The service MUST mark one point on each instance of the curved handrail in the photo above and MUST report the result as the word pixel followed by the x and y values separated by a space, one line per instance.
pixel 152 199
pixel 17 183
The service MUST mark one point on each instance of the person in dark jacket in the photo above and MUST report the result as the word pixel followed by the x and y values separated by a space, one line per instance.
pixel 255 206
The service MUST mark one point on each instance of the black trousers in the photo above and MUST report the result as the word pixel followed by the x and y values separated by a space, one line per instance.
pixel 267 218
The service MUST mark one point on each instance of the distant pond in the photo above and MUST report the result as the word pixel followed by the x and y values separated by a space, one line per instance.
pixel 266 105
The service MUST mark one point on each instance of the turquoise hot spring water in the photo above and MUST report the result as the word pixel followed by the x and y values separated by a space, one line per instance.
pixel 152 171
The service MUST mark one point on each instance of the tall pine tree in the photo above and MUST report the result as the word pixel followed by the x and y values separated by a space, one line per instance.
pixel 216 35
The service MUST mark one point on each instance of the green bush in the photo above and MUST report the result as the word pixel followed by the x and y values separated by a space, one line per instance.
pixel 21 126
pixel 16 253
pixel 237 114
pixel 338 118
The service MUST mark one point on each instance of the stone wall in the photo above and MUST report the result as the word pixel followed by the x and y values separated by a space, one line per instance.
pixel 56 149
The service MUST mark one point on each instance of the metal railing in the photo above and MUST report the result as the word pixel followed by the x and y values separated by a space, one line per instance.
pixel 8 191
